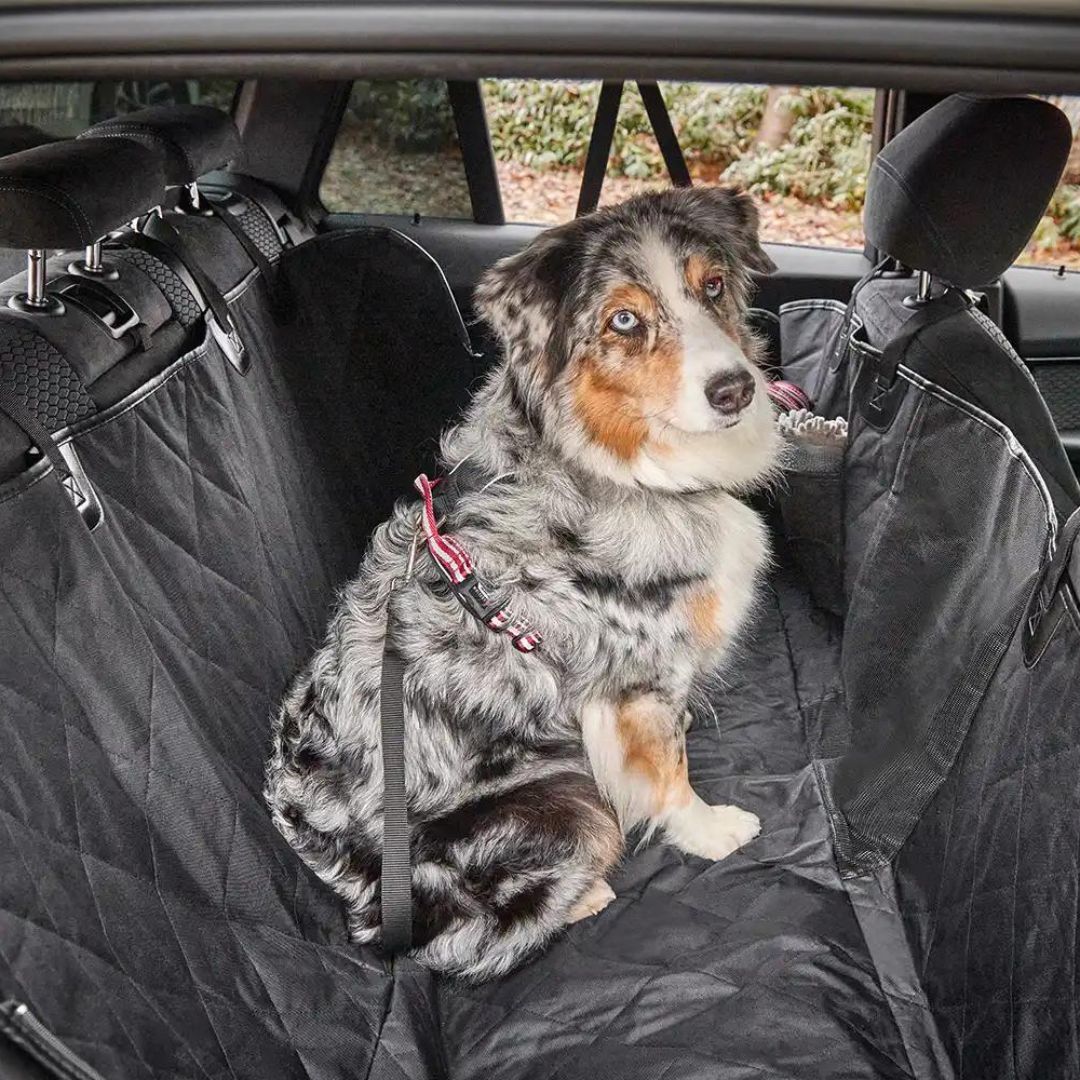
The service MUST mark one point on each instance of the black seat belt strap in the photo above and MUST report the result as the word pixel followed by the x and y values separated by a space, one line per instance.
pixel 39 435
pixel 396 888
pixel 258 259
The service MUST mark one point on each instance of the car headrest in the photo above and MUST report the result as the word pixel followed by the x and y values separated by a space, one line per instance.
pixel 16 137
pixel 194 139
pixel 960 190
pixel 69 194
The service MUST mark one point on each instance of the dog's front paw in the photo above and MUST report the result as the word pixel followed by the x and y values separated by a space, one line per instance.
pixel 712 832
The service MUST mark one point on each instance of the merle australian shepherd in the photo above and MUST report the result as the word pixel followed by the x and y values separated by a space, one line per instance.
pixel 612 444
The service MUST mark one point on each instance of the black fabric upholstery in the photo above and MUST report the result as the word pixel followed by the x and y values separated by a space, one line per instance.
pixel 970 356
pixel 69 194
pixel 151 916
pixel 960 190
pixel 193 139
pixel 229 522
pixel 965 773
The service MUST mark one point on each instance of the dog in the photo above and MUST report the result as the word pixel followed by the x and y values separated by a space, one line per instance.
pixel 607 452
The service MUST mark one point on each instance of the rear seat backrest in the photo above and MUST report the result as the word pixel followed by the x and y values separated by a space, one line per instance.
pixel 140 873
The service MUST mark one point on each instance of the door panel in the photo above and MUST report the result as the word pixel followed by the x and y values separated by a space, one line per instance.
pixel 1042 319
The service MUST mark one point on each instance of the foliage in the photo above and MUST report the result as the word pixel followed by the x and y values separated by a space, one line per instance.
pixel 826 155
pixel 1061 225
pixel 546 125
pixel 409 114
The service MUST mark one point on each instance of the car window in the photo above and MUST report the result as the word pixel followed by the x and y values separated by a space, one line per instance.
pixel 396 152
pixel 64 109
pixel 803 151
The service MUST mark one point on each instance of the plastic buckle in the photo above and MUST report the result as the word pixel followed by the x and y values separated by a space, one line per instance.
pixel 230 343
pixel 477 598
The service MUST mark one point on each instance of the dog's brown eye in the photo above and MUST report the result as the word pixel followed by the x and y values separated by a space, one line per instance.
pixel 624 322
pixel 714 287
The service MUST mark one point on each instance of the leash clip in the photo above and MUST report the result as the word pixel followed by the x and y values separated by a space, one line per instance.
pixel 474 594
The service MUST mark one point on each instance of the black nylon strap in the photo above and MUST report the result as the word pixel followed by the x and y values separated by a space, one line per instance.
pixel 16 408
pixel 258 259
pixel 933 312
pixel 1051 577
pixel 281 305
pixel 161 240
pixel 396 861
pixel 666 139
pixel 596 161
pixel 877 390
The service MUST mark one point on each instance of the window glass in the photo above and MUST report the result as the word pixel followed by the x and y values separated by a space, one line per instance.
pixel 803 151
pixel 64 109
pixel 1056 241
pixel 397 153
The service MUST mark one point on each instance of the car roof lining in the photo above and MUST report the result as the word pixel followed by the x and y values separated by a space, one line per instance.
pixel 918 48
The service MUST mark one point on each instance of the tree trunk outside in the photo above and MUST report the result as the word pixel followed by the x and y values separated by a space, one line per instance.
pixel 776 121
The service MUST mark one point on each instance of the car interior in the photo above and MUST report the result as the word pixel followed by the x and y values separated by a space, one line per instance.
pixel 213 388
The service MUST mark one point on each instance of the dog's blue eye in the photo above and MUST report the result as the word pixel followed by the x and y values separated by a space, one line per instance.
pixel 714 287
pixel 623 322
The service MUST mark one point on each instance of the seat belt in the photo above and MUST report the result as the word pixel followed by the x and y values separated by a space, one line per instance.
pixel 396 871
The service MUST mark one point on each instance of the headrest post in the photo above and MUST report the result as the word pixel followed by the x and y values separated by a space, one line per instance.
pixel 92 265
pixel 68 195
pixel 926 283
pixel 924 293
pixel 36 296
pixel 36 301
pixel 194 196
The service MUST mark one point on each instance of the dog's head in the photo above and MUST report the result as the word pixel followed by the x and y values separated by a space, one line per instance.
pixel 627 341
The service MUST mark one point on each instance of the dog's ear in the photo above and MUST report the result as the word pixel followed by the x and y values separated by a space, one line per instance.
pixel 734 217
pixel 526 298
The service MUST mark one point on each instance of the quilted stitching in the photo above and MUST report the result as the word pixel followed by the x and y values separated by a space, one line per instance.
pixel 142 874
pixel 141 667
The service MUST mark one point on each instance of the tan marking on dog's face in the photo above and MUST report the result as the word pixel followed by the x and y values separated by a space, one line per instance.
pixel 626 378
pixel 697 271
pixel 653 748
pixel 703 609
pixel 610 416
pixel 628 297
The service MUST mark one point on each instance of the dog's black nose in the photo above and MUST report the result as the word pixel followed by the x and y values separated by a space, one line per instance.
pixel 730 392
